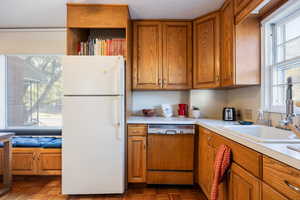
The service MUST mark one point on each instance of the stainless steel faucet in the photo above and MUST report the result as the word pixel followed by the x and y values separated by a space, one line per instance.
pixel 289 119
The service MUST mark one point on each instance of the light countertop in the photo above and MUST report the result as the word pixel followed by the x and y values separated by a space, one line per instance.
pixel 278 151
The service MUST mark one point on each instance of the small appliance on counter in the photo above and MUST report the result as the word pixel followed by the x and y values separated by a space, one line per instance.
pixel 167 110
pixel 182 110
pixel 229 114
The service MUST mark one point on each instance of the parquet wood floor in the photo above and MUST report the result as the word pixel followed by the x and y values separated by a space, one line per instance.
pixel 48 188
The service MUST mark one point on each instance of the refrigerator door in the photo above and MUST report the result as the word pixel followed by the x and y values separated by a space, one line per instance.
pixel 93 145
pixel 93 75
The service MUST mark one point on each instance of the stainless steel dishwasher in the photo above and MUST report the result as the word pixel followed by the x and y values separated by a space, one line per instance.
pixel 170 154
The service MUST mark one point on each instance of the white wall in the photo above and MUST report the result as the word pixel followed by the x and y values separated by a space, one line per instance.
pixel 153 100
pixel 32 41
pixel 245 100
pixel 210 102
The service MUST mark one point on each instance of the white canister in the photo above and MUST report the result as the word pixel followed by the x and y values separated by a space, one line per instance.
pixel 167 110
pixel 196 114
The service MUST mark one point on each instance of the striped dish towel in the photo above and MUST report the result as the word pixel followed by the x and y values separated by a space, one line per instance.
pixel 222 163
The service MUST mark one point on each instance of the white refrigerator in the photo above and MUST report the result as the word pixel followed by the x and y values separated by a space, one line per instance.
pixel 93 125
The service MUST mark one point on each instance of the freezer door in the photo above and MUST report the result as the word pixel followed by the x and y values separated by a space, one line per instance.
pixel 93 145
pixel 93 75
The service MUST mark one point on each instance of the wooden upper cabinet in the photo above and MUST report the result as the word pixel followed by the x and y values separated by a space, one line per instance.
pixel 207 51
pixel 240 49
pixel 228 30
pixel 243 185
pixel 147 53
pixel 97 16
pixel 137 159
pixel 177 55
pixel 162 55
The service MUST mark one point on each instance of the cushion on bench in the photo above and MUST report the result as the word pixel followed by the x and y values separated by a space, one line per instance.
pixel 56 143
pixel 47 142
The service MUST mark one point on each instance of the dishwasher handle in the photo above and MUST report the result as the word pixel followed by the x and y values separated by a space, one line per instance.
pixel 171 132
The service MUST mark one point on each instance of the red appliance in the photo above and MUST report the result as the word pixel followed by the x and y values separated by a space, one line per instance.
pixel 182 110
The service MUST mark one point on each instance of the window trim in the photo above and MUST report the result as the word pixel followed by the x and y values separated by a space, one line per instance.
pixel 289 10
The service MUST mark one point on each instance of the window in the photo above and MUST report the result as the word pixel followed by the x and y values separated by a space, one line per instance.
pixel 33 97
pixel 281 58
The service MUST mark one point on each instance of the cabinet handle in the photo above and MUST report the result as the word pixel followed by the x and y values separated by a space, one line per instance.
pixel 165 81
pixel 292 186
pixel 159 81
pixel 217 78
pixel 33 157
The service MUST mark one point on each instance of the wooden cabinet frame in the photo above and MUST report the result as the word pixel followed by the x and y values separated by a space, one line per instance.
pixel 35 161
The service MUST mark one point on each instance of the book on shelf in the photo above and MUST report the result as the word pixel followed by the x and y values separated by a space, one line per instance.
pixel 102 47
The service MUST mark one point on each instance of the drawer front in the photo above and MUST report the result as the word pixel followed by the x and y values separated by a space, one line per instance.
pixel 245 157
pixel 269 193
pixel 283 178
pixel 137 130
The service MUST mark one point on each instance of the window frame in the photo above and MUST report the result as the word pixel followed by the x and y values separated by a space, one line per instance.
pixel 21 130
pixel 284 14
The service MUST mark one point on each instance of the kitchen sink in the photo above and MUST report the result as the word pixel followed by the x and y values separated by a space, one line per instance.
pixel 264 134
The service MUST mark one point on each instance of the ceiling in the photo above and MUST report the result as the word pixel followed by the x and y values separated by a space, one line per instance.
pixel 52 13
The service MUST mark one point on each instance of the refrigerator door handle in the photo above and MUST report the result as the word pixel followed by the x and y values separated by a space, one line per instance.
pixel 117 123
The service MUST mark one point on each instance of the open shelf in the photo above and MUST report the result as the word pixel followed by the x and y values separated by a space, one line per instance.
pixel 96 41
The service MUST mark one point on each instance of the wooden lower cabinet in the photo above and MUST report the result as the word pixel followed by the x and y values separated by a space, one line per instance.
pixel 49 162
pixel 137 159
pixel 24 161
pixel 207 153
pixel 35 161
pixel 283 178
pixel 252 176
pixel 205 159
pixel 243 185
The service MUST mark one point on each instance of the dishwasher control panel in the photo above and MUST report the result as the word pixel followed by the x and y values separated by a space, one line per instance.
pixel 170 129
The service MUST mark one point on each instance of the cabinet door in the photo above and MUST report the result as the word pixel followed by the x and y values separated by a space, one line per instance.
pixel 136 159
pixel 227 48
pixel 49 162
pixel 24 162
pixel 243 185
pixel 269 193
pixel 147 55
pixel 205 159
pixel 207 52
pixel 177 55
